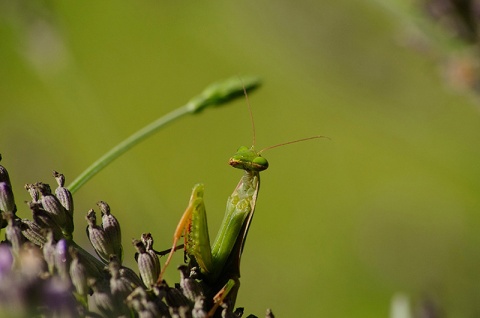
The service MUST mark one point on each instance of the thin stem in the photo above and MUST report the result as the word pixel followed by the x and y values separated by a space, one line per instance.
pixel 126 144
pixel 214 95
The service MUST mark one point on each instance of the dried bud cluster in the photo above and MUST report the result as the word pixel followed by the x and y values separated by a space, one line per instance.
pixel 44 272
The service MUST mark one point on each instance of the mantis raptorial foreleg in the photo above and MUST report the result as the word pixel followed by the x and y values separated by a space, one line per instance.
pixel 194 222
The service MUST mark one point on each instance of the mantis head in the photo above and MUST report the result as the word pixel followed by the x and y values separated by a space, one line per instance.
pixel 248 159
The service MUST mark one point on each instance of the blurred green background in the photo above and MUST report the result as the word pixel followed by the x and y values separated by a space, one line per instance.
pixel 389 205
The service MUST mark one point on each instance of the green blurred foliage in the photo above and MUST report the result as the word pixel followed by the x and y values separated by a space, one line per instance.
pixel 389 205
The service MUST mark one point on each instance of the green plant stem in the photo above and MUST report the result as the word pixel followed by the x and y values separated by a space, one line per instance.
pixel 125 145
pixel 214 95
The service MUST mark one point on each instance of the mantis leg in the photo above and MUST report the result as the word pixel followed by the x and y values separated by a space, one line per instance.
pixel 219 298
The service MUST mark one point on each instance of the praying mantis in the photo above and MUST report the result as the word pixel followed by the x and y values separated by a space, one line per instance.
pixel 219 264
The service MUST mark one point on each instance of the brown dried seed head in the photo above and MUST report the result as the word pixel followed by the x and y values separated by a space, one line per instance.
pixel 269 314
pixel 128 274
pixel 78 273
pixel 60 178
pixel 146 264
pixel 104 207
pixel 199 307
pixel 65 197
pixel 175 298
pixel 147 240
pixel 119 286
pixel 43 188
pixel 45 219
pixel 7 201
pixel 102 297
pixel 13 231
pixel 95 268
pixel 51 204
pixel 4 174
pixel 136 299
pixel 33 232
pixel 98 238
pixel 112 229
pixel 33 191
pixel 91 217
pixel 190 287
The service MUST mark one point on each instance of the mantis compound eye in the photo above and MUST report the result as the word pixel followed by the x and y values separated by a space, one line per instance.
pixel 260 163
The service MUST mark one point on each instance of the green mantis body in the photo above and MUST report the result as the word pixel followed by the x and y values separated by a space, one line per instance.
pixel 219 264
pixel 237 219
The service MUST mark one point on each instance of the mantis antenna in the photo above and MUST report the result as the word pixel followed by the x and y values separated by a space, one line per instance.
pixel 251 115
pixel 274 146
pixel 292 142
